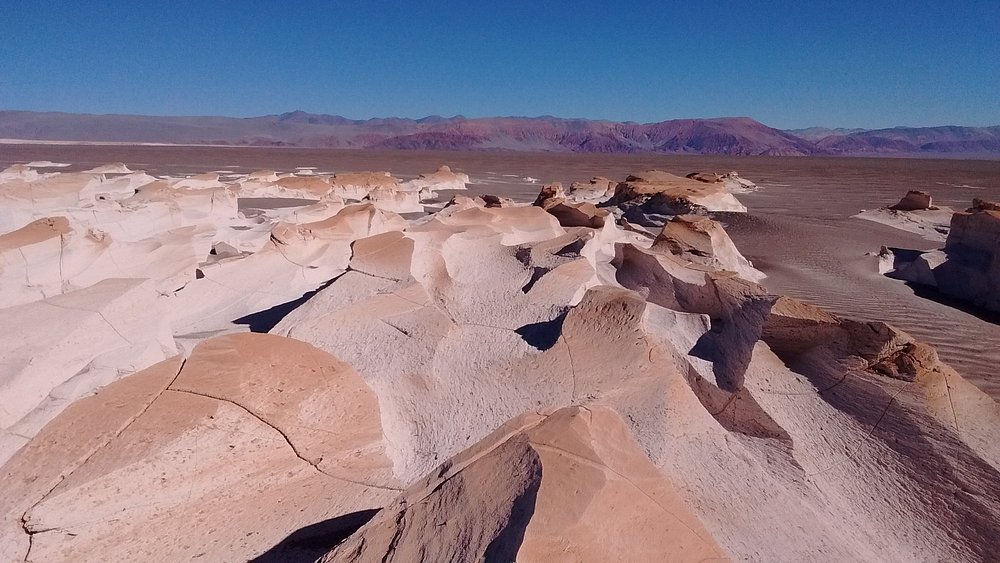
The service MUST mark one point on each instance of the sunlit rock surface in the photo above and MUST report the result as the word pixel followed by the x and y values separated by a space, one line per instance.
pixel 967 268
pixel 295 366
pixel 914 213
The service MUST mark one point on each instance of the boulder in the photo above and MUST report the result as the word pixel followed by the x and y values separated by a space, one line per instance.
pixel 442 179
pixel 638 188
pixel 732 181
pixel 972 269
pixel 597 190
pixel 914 200
pixel 703 241
pixel 650 199
pixel 553 191
pixel 357 185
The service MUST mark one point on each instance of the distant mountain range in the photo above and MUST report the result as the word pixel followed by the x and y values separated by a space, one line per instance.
pixel 726 135
pixel 817 133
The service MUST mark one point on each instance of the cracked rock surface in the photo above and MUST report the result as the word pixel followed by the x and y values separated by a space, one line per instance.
pixel 251 428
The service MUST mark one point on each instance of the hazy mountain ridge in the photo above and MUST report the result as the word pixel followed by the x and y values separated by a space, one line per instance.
pixel 945 139
pixel 817 133
pixel 725 135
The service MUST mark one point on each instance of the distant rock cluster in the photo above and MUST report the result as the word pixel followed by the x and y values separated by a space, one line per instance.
pixel 354 367
pixel 967 268
pixel 914 213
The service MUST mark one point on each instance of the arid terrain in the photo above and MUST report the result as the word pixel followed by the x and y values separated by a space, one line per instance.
pixel 286 354
pixel 717 136
pixel 810 201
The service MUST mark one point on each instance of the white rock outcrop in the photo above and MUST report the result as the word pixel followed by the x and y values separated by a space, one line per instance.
pixel 594 377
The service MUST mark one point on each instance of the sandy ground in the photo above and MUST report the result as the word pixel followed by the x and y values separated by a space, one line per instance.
pixel 799 231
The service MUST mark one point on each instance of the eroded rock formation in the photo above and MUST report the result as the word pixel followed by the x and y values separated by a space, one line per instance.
pixel 967 268
pixel 914 213
pixel 494 380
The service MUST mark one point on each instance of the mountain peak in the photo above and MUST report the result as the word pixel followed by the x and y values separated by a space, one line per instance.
pixel 736 135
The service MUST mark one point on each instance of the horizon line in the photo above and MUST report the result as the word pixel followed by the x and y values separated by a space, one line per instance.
pixel 463 117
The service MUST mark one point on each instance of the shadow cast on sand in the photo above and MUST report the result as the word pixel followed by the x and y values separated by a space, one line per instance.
pixel 903 257
pixel 932 294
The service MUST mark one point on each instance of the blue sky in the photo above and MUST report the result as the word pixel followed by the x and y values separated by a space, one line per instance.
pixel 789 64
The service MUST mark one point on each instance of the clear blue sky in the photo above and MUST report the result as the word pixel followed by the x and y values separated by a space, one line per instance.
pixel 789 64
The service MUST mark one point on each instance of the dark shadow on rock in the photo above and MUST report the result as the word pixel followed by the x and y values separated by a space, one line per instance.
pixel 543 335
pixel 504 547
pixel 706 348
pixel 932 294
pixel 264 321
pixel 308 544
pixel 536 274
pixel 904 255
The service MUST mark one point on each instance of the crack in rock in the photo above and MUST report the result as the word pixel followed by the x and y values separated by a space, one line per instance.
pixel 25 519
pixel 295 450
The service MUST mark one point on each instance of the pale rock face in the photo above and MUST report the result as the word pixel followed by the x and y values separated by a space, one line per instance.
pixel 267 176
pixel 310 187
pixel 113 189
pixel 27 196
pixel 972 270
pixel 597 190
pixel 442 179
pixel 703 241
pixel 297 259
pixel 156 207
pixel 357 185
pixel 49 257
pixel 967 268
pixel 198 181
pixel 18 172
pixel 396 201
pixel 249 429
pixel 66 346
pixel 116 168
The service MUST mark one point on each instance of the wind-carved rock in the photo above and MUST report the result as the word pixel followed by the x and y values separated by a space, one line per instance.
pixel 967 268
pixel 493 380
